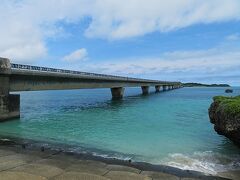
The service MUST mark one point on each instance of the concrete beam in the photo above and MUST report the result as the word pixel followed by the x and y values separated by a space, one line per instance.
pixel 117 93
pixel 9 104
pixel 9 107
pixel 5 71
pixel 145 90
pixel 32 78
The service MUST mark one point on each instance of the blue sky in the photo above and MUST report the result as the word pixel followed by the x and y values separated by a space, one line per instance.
pixel 188 41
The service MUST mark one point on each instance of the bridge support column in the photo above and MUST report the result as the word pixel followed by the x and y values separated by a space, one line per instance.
pixel 157 88
pixel 164 88
pixel 117 93
pixel 9 103
pixel 145 90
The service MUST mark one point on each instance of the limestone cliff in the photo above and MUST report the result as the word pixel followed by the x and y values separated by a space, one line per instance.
pixel 224 113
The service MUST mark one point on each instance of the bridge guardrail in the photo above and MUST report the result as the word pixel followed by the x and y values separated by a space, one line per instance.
pixel 54 70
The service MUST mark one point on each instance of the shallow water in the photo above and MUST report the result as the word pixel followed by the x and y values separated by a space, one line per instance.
pixel 169 128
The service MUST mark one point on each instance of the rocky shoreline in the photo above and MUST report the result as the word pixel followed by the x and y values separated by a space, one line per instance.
pixel 224 113
pixel 93 167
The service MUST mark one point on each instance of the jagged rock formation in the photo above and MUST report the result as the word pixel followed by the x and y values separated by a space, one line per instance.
pixel 224 113
pixel 228 91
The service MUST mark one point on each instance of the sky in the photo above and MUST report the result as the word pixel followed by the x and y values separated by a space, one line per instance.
pixel 174 40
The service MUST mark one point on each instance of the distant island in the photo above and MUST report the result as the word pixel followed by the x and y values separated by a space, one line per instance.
pixel 204 85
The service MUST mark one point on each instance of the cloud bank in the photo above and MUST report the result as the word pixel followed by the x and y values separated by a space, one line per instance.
pixel 213 65
pixel 26 24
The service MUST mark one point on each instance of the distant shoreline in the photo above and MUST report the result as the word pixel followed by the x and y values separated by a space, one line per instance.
pixel 204 85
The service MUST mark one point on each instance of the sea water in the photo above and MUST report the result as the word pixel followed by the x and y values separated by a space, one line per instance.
pixel 170 128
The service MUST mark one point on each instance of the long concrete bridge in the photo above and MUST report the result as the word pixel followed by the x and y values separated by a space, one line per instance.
pixel 17 77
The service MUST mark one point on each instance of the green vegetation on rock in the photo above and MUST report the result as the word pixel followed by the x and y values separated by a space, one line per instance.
pixel 231 105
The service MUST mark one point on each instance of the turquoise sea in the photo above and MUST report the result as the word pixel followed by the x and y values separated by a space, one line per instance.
pixel 170 128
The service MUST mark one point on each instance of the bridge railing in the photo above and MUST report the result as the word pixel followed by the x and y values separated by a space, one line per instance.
pixel 54 70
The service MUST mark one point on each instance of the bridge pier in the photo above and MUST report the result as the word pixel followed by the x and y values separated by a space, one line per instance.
pixel 157 88
pixel 165 88
pixel 117 93
pixel 145 90
pixel 9 103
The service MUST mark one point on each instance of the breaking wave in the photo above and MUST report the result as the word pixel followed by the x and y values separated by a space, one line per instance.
pixel 207 162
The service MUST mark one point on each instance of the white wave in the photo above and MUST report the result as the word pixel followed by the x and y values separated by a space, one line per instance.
pixel 106 155
pixel 207 162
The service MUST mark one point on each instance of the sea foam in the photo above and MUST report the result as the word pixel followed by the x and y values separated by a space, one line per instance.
pixel 207 162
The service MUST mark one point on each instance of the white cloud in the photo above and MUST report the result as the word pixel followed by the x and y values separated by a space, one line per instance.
pixel 233 37
pixel 210 61
pixel 78 55
pixel 26 24
pixel 203 65
pixel 116 20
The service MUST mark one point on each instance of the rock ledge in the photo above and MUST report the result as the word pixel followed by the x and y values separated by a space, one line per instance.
pixel 224 113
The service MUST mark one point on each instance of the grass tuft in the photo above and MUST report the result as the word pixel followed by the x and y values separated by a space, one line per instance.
pixel 231 105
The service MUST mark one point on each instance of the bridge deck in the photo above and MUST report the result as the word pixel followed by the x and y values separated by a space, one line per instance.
pixel 31 78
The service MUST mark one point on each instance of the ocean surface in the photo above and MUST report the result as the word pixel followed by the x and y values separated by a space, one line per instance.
pixel 170 128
